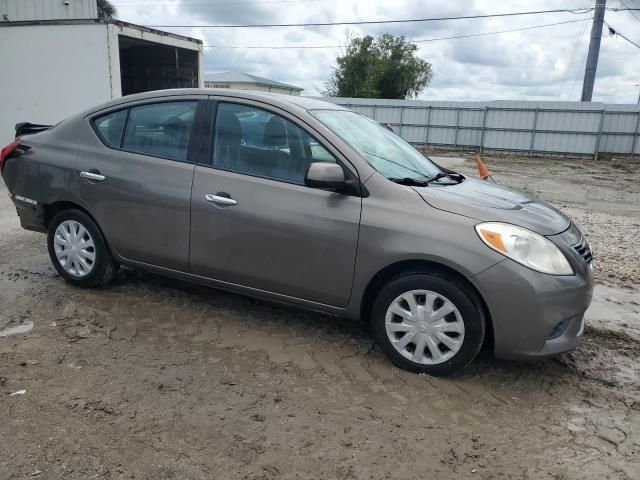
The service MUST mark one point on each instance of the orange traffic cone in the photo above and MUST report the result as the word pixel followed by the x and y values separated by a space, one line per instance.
pixel 484 172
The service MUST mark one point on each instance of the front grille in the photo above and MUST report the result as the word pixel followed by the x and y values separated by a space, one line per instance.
pixel 583 248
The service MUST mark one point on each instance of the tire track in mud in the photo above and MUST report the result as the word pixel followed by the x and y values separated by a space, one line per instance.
pixel 166 379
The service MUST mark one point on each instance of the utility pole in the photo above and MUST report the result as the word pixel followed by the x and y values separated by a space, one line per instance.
pixel 594 51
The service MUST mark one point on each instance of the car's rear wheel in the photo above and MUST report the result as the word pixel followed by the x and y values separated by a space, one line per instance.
pixel 78 250
pixel 428 323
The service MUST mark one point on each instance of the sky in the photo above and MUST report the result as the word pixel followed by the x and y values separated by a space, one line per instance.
pixel 537 64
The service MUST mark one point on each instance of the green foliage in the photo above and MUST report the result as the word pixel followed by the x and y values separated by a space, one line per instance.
pixel 384 67
pixel 106 9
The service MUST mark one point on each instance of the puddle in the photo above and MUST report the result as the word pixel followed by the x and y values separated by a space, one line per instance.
pixel 22 328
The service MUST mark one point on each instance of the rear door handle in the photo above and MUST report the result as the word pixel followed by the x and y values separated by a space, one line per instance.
pixel 92 175
pixel 222 199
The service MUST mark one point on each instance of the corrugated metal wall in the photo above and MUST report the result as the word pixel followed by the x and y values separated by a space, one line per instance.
pixel 567 128
pixel 28 10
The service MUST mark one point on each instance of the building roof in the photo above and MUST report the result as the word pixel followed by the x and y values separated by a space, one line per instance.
pixel 98 21
pixel 239 77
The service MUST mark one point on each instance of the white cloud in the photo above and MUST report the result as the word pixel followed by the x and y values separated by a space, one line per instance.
pixel 525 65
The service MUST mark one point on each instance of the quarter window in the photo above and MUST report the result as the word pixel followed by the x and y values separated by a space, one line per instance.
pixel 110 127
pixel 161 129
pixel 257 142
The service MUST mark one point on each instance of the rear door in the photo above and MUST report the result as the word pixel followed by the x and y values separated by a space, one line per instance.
pixel 274 233
pixel 135 170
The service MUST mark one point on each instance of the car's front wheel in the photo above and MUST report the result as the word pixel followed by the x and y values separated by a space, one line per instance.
pixel 428 323
pixel 78 250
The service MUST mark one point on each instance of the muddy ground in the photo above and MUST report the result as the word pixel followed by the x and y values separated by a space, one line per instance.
pixel 154 378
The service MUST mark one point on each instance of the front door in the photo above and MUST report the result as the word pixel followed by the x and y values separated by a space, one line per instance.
pixel 255 223
pixel 134 174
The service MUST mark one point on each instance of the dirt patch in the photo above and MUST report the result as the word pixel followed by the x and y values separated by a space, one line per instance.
pixel 623 343
pixel 154 378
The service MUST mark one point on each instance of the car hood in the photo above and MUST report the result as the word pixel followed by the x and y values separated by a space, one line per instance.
pixel 486 201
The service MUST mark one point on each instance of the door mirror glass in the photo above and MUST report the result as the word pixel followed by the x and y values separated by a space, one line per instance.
pixel 325 175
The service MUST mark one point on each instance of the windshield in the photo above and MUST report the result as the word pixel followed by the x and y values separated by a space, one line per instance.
pixel 384 150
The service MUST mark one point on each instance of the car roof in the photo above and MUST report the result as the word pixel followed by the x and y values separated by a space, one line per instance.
pixel 275 99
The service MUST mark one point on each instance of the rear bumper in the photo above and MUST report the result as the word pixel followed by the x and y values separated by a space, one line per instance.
pixel 29 212
pixel 534 315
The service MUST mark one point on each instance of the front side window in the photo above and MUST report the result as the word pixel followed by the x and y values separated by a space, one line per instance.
pixel 110 127
pixel 160 129
pixel 382 149
pixel 257 142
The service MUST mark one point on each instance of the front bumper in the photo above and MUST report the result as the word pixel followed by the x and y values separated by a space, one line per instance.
pixel 535 315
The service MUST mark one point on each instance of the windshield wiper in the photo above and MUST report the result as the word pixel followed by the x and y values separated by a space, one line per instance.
pixel 411 182
pixel 424 181
pixel 453 175
pixel 457 177
pixel 436 177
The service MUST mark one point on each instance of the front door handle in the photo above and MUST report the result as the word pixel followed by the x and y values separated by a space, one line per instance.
pixel 221 198
pixel 93 175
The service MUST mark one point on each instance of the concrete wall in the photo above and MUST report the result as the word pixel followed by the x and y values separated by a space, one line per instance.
pixel 26 10
pixel 251 86
pixel 567 128
pixel 51 72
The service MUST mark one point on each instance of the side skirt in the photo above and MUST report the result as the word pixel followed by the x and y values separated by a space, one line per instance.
pixel 240 289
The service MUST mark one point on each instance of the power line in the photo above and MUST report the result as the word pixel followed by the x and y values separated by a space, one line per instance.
pixel 422 40
pixel 579 76
pixel 576 45
pixel 576 82
pixel 614 31
pixel 501 31
pixel 630 10
pixel 209 4
pixel 377 22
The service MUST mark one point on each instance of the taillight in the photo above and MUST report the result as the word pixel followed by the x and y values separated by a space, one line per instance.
pixel 7 151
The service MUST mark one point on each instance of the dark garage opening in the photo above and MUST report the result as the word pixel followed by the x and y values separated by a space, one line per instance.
pixel 146 66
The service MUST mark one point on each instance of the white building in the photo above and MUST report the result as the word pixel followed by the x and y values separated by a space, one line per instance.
pixel 28 10
pixel 245 81
pixel 58 59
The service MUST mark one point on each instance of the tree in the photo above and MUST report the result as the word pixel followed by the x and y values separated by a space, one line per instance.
pixel 106 9
pixel 384 67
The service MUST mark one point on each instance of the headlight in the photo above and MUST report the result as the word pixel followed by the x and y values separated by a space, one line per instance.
pixel 525 247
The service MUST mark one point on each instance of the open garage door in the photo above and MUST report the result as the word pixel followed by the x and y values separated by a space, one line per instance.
pixel 146 66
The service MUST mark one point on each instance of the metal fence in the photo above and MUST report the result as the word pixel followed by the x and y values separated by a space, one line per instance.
pixel 554 128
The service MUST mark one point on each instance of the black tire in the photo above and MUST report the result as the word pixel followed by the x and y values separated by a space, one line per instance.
pixel 104 268
pixel 462 297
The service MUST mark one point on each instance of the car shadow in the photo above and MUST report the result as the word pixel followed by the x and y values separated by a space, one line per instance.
pixel 322 334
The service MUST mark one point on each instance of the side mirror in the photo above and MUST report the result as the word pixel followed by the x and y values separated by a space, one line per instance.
pixel 325 175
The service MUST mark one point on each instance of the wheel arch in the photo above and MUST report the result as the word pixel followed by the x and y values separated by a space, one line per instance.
pixel 405 267
pixel 49 211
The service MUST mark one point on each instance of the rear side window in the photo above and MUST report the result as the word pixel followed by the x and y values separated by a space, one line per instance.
pixel 110 127
pixel 161 129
